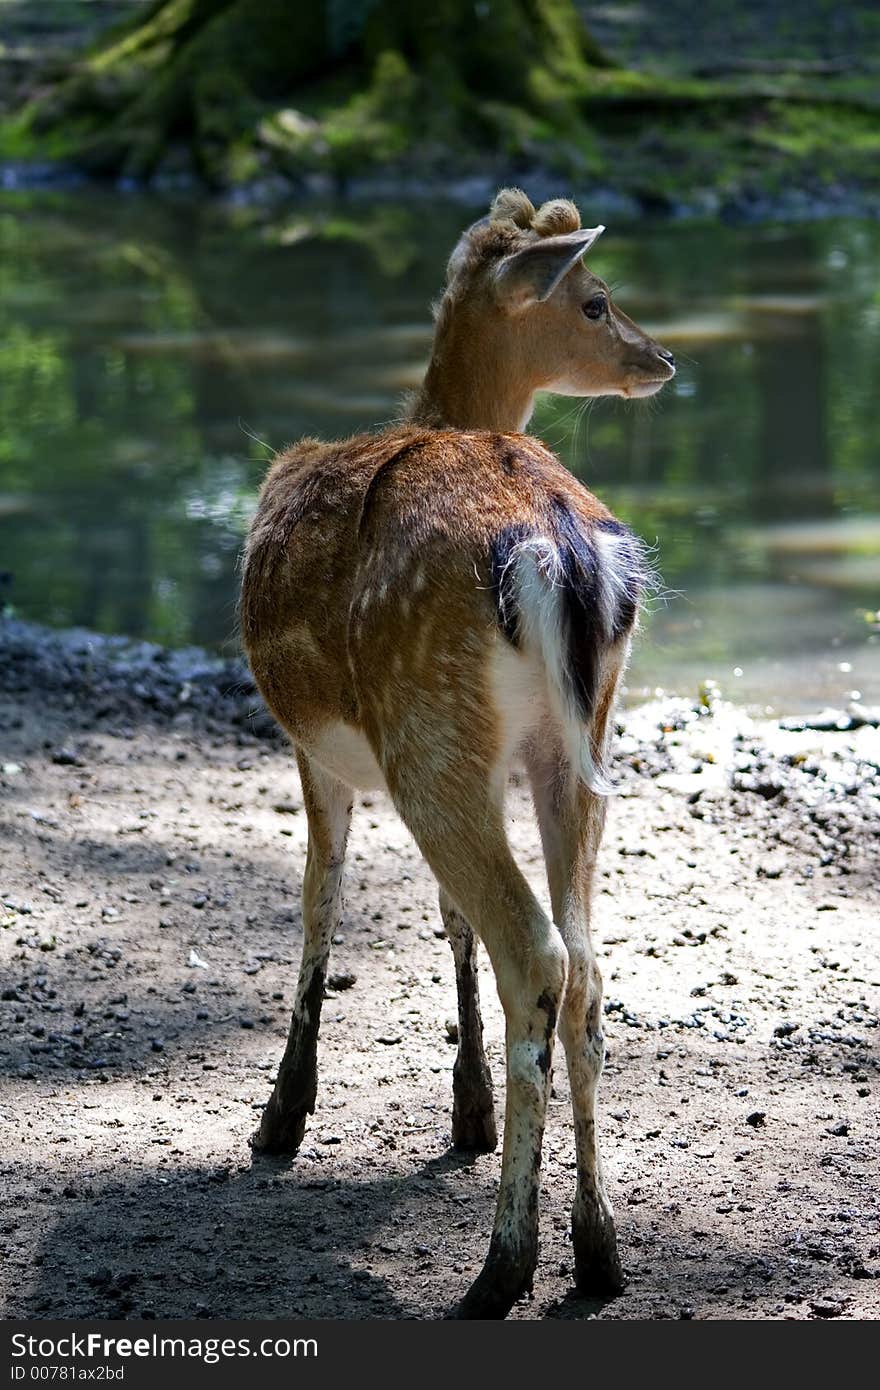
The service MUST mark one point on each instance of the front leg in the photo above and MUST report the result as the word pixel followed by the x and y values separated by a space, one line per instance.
pixel 473 1110
pixel 328 804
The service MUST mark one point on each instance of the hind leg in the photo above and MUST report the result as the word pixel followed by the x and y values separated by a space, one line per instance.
pixel 473 1110
pixel 529 960
pixel 448 795
pixel 571 820
pixel 328 804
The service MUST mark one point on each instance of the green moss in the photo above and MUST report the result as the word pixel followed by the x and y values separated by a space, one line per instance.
pixel 819 130
pixel 376 124
pixel 233 88
pixel 22 137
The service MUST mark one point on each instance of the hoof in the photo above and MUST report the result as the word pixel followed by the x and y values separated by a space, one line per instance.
pixel 499 1284
pixel 278 1134
pixel 597 1268
pixel 599 1279
pixel 473 1128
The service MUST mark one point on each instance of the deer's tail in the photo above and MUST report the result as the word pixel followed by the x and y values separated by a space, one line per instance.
pixel 569 593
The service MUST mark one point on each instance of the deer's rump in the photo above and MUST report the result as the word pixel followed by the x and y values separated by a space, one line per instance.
pixel 377 568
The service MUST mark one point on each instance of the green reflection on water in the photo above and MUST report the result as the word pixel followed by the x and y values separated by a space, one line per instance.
pixel 143 345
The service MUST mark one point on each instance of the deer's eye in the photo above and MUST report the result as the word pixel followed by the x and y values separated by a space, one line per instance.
pixel 596 307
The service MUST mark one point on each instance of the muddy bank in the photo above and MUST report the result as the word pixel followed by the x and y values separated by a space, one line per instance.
pixel 115 680
pixel 152 840
pixel 821 769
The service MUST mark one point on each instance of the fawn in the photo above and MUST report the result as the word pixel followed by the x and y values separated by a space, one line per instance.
pixel 419 606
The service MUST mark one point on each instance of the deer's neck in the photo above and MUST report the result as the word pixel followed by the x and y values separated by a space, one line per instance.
pixel 473 383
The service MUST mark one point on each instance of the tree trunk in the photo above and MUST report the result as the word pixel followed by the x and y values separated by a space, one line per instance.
pixel 376 79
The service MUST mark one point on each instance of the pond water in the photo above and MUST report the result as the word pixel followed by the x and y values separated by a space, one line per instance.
pixel 152 354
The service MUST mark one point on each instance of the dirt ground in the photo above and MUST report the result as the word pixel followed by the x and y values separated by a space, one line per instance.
pixel 150 863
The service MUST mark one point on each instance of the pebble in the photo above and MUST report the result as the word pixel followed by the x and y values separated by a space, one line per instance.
pixel 825 1308
pixel 67 757
pixel 771 868
pixel 341 980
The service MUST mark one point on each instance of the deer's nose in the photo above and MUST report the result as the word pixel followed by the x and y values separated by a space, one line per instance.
pixel 666 355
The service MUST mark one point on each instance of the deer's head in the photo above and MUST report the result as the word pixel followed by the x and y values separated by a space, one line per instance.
pixel 523 313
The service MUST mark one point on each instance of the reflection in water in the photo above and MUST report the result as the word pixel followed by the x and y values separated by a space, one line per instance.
pixel 152 355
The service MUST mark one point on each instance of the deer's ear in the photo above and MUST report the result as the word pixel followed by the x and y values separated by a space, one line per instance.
pixel 530 276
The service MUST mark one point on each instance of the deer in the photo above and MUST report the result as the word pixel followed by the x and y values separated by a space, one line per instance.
pixel 424 604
